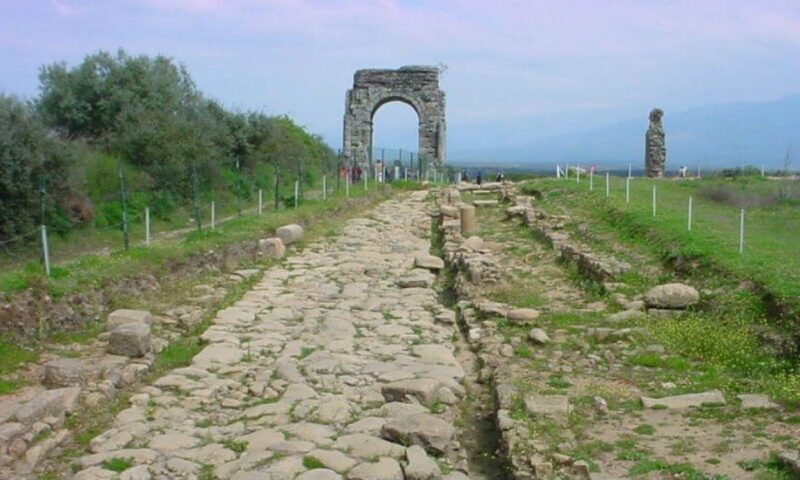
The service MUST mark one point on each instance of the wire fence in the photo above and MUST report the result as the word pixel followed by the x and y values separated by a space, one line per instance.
pixel 136 223
pixel 751 221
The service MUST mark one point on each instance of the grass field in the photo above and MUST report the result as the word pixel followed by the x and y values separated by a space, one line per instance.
pixel 771 256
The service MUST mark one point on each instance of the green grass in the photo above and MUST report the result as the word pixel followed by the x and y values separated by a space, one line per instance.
pixel 645 429
pixel 771 231
pixel 653 360
pixel 10 386
pixel 311 462
pixel 82 336
pixel 679 470
pixel 556 381
pixel 523 351
pixel 235 446
pixel 11 356
pixel 306 351
pixel 117 464
pixel 725 331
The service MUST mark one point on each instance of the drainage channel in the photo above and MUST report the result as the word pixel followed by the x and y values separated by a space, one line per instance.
pixel 479 434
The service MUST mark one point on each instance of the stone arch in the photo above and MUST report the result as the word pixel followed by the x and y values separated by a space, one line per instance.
pixel 417 86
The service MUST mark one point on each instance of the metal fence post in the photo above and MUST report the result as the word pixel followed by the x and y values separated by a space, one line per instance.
pixel 654 200
pixel 741 232
pixel 213 214
pixel 147 225
pixel 45 251
pixel 628 190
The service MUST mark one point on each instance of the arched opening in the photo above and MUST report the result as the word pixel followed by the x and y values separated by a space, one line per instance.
pixel 395 132
pixel 417 86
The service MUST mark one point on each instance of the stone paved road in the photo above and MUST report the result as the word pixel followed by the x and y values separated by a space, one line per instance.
pixel 333 360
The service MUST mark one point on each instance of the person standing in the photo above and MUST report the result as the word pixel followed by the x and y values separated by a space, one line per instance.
pixel 478 179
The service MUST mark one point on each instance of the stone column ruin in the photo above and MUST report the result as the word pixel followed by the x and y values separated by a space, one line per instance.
pixel 655 148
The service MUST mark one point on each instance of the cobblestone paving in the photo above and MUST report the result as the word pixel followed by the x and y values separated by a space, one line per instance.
pixel 333 366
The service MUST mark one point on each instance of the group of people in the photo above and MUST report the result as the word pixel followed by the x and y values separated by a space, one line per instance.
pixel 382 173
pixel 354 173
pixel 479 177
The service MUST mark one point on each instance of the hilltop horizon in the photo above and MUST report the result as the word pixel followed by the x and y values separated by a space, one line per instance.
pixel 713 136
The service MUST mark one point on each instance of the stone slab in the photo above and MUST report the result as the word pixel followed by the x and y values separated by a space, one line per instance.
pixel 688 400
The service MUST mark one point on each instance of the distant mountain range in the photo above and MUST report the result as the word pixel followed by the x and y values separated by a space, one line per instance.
pixel 734 134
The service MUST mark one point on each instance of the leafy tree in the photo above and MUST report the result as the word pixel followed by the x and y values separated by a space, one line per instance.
pixel 145 115
pixel 30 158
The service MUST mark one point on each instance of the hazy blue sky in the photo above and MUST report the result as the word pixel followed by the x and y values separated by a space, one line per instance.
pixel 516 69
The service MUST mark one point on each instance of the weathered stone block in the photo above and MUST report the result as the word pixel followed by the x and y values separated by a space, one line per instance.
pixel 555 406
pixel 50 403
pixel 124 315
pixel 129 340
pixel 423 389
pixel 64 372
pixel 420 465
pixel 538 336
pixel 289 234
pixel 425 430
pixel 429 262
pixel 383 469
pixel 473 243
pixel 671 296
pixel 685 401
pixel 271 247
pixel 522 315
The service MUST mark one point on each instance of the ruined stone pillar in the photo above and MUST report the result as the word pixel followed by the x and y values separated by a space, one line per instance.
pixel 469 224
pixel 655 149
